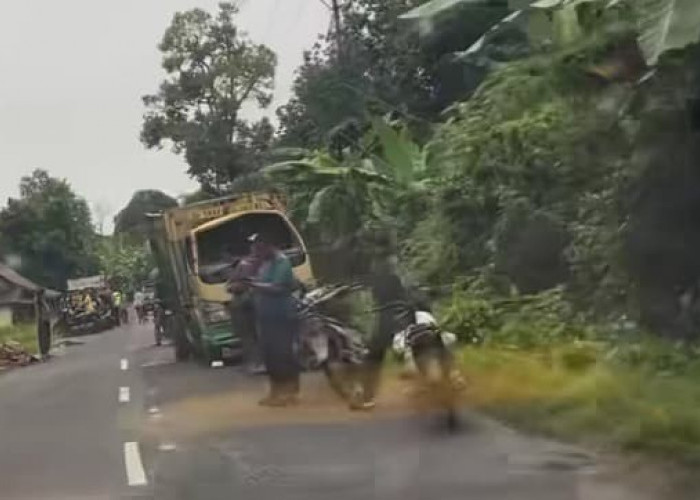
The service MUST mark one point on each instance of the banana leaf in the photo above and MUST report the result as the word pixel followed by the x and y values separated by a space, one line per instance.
pixel 317 205
pixel 426 18
pixel 431 10
pixel 665 25
pixel 403 156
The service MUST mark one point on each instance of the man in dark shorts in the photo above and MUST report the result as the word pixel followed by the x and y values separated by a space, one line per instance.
pixel 277 320
pixel 386 287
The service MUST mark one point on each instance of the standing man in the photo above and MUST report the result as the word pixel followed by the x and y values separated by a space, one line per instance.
pixel 43 324
pixel 276 319
pixel 139 299
pixel 117 306
pixel 386 288
pixel 243 312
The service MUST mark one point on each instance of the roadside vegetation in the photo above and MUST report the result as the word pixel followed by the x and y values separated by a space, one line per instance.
pixel 23 334
pixel 531 362
pixel 550 198
pixel 605 404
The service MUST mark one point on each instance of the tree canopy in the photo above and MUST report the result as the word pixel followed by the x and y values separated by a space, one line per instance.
pixel 566 162
pixel 376 63
pixel 125 264
pixel 50 229
pixel 212 69
pixel 132 220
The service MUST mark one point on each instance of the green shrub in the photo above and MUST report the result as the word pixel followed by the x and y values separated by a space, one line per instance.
pixel 477 315
pixel 24 334
pixel 579 394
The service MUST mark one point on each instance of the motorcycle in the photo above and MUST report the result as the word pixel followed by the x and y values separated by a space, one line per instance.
pixel 428 348
pixel 328 345
pixel 340 352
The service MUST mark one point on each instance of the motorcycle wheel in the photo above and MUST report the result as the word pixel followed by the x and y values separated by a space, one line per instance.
pixel 183 349
pixel 452 420
pixel 437 379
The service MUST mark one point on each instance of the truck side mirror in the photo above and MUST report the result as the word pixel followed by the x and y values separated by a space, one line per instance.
pixel 296 256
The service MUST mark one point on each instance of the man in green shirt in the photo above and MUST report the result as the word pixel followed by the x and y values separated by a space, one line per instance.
pixel 276 319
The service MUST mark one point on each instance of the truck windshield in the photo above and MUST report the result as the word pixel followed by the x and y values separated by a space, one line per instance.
pixel 226 243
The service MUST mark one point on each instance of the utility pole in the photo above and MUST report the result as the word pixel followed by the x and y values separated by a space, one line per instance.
pixel 336 17
pixel 336 7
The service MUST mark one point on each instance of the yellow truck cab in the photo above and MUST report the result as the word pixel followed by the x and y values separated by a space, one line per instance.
pixel 195 247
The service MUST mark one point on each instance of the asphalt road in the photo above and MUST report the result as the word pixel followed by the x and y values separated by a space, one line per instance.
pixel 116 418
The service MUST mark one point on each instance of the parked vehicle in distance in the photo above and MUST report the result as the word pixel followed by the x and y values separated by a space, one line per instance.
pixel 87 306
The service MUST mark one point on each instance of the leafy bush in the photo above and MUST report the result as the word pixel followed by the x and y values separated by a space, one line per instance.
pixel 24 334
pixel 528 170
pixel 611 403
pixel 477 315
pixel 469 317
pixel 656 357
pixel 430 254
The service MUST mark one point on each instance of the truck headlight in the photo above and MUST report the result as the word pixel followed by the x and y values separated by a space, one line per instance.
pixel 215 312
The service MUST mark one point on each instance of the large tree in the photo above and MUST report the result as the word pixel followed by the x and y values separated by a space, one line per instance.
pixel 49 228
pixel 213 69
pixel 132 219
pixel 378 63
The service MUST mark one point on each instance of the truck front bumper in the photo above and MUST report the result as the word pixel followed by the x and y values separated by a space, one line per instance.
pixel 220 341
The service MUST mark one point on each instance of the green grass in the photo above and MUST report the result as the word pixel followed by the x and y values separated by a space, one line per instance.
pixel 25 334
pixel 595 400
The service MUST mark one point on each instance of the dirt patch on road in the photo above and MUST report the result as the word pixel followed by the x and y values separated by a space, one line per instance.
pixel 202 415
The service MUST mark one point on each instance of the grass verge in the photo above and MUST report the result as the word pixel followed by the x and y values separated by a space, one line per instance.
pixel 589 399
pixel 25 334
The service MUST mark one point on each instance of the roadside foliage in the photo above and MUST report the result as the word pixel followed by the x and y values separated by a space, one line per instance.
pixel 546 184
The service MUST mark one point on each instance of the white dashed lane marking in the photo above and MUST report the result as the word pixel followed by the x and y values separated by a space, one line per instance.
pixel 124 364
pixel 167 447
pixel 124 394
pixel 135 474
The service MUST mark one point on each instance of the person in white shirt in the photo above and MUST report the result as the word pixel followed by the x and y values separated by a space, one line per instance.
pixel 139 299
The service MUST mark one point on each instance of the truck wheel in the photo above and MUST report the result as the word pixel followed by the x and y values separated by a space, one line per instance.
pixel 182 344
pixel 182 350
pixel 207 355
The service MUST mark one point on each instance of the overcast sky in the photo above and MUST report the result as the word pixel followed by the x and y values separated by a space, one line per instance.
pixel 72 73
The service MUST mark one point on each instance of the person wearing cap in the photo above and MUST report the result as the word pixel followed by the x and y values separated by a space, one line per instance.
pixel 276 318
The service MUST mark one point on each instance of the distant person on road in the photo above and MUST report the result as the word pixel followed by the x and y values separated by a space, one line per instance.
pixel 139 300
pixel 117 306
pixel 276 319
pixel 43 323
